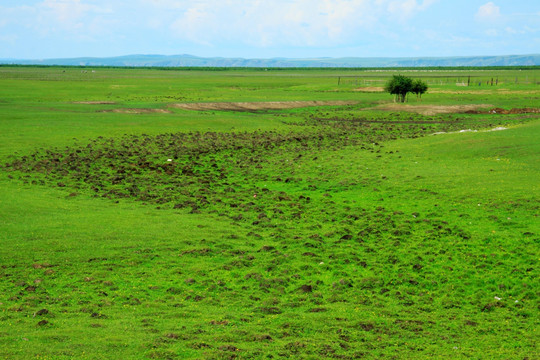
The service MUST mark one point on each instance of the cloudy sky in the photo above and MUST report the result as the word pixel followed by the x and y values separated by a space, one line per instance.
pixel 39 29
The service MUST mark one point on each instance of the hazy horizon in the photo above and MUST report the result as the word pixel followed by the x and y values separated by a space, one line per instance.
pixel 273 58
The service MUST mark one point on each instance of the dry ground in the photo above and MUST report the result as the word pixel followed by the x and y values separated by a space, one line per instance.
pixel 431 109
pixel 280 105
pixel 255 106
pixel 138 111
pixel 370 89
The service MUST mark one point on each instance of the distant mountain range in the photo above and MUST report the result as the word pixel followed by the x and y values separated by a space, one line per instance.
pixel 348 62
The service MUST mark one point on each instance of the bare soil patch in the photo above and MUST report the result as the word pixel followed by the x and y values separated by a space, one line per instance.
pixel 257 106
pixel 506 112
pixel 431 109
pixel 138 111
pixel 370 89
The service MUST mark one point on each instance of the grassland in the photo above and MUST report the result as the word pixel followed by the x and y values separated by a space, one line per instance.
pixel 131 227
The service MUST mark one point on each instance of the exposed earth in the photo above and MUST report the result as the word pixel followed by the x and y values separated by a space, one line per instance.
pixel 431 109
pixel 255 106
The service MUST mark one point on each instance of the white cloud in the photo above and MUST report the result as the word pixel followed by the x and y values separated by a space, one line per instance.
pixel 197 24
pixel 404 9
pixel 282 22
pixel 266 23
pixel 520 31
pixel 16 15
pixel 70 12
pixel 511 30
pixel 11 38
pixel 488 12
pixel 167 4
pixel 82 20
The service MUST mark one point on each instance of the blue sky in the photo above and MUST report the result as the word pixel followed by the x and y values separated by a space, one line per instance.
pixel 39 29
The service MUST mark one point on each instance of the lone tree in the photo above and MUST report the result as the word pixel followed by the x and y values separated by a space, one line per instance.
pixel 399 86
pixel 419 87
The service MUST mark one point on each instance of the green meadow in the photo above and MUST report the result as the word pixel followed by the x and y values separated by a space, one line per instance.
pixel 268 213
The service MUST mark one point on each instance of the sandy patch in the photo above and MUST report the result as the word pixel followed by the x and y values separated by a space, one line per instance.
pixel 431 109
pixel 255 106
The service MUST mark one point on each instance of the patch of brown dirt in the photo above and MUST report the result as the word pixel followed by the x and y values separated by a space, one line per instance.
pixel 506 112
pixel 95 102
pixel 370 89
pixel 431 109
pixel 138 111
pixel 256 106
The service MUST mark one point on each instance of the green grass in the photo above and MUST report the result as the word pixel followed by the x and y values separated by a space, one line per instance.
pixel 342 238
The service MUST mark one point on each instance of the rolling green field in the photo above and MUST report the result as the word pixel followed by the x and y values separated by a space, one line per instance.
pixel 143 217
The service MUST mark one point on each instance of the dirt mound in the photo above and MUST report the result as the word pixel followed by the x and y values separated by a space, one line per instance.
pixel 138 111
pixel 431 109
pixel 256 106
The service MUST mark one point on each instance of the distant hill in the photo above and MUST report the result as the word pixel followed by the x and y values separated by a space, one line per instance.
pixel 348 62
